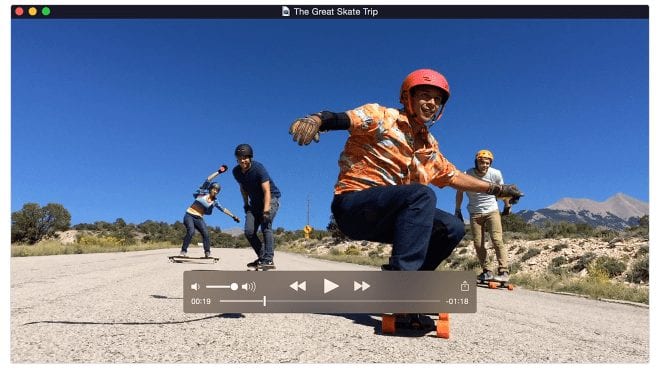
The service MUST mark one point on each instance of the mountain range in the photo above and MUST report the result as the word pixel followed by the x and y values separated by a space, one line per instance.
pixel 618 212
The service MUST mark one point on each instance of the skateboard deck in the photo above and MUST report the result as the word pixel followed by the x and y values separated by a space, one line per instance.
pixel 494 284
pixel 391 322
pixel 180 259
pixel 260 268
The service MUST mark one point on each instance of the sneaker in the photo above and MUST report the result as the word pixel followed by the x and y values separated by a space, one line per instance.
pixel 183 254
pixel 502 276
pixel 486 275
pixel 266 264
pixel 389 267
pixel 254 263
pixel 207 254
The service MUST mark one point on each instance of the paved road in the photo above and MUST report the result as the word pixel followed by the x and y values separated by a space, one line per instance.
pixel 127 307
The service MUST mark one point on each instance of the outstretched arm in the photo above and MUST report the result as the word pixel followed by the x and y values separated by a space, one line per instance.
pixel 307 129
pixel 220 170
pixel 464 182
pixel 227 211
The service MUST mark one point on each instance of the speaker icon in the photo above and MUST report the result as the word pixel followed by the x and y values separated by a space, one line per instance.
pixel 195 286
pixel 248 286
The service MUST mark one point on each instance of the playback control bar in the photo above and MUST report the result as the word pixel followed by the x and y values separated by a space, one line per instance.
pixel 329 291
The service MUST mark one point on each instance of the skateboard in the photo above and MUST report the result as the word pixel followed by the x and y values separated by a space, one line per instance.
pixel 494 284
pixel 261 268
pixel 180 259
pixel 390 322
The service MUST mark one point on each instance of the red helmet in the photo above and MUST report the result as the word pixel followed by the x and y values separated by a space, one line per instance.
pixel 424 77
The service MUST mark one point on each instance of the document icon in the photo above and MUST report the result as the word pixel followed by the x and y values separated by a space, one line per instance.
pixel 285 11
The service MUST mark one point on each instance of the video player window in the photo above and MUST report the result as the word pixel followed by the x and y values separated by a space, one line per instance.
pixel 329 184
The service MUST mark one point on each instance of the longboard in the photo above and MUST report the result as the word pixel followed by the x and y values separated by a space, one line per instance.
pixel 180 259
pixel 494 284
pixel 391 322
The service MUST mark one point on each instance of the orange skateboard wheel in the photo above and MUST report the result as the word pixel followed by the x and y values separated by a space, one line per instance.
pixel 492 285
pixel 444 316
pixel 443 329
pixel 510 287
pixel 388 324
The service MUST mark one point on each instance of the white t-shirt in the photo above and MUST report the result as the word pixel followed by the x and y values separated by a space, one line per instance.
pixel 480 203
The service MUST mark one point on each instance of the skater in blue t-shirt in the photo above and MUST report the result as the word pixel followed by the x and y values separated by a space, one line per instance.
pixel 260 196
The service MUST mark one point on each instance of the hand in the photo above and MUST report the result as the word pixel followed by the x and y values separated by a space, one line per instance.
pixel 458 214
pixel 505 191
pixel 266 217
pixel 236 219
pixel 306 129
pixel 222 168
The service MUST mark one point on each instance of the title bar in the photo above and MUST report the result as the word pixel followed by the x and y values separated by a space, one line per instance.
pixel 287 11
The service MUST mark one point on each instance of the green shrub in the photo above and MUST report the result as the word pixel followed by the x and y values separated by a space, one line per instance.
pixel 352 250
pixel 583 262
pixel 530 253
pixel 639 271
pixel 642 251
pixel 611 266
pixel 470 264
pixel 559 247
pixel 514 267
pixel 555 266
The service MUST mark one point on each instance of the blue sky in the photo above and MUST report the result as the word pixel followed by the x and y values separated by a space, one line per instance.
pixel 125 118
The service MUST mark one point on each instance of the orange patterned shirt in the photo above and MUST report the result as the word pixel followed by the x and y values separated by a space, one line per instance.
pixel 383 150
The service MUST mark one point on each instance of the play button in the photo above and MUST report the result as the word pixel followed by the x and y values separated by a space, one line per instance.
pixel 329 286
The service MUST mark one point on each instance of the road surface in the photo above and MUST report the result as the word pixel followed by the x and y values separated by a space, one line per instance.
pixel 127 307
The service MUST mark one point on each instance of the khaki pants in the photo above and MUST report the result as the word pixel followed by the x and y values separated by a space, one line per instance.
pixel 490 222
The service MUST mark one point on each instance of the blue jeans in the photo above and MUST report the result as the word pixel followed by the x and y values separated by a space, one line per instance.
pixel 254 221
pixel 193 223
pixel 405 216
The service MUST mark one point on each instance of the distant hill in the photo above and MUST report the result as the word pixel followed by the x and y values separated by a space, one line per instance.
pixel 235 231
pixel 618 212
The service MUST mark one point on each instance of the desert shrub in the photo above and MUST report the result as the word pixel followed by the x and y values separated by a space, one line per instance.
pixel 530 253
pixel 514 267
pixel 471 263
pixel 98 240
pixel 352 250
pixel 583 262
pixel 611 266
pixel 559 247
pixel 639 271
pixel 556 265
